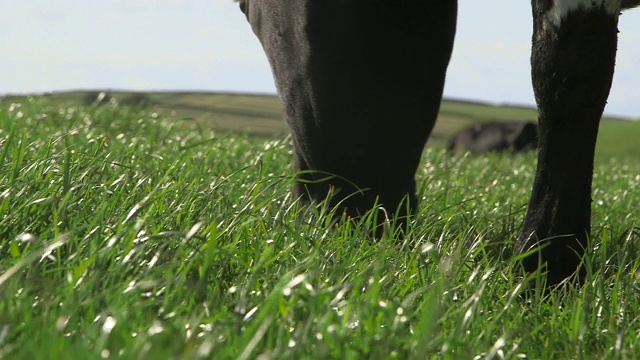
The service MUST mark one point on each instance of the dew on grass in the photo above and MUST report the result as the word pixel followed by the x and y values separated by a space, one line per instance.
pixel 293 283
pixel 473 275
pixel 426 247
pixel 155 328
pixel 400 319
pixel 487 275
pixel 26 238
pixel 153 260
pixel 129 256
pixel 170 315
pixel 130 287
pixel 250 313
pixel 108 325
pixel 194 229
pixel 338 297
pixel 309 287
pixel 497 349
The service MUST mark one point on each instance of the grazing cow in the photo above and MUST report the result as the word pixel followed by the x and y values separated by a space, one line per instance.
pixel 496 136
pixel 361 83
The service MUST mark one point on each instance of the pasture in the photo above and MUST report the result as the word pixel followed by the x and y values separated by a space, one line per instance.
pixel 165 233
pixel 261 115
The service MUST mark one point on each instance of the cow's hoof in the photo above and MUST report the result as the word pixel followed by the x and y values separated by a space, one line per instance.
pixel 556 258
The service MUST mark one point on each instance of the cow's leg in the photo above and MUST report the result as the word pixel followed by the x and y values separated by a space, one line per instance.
pixel 361 83
pixel 573 55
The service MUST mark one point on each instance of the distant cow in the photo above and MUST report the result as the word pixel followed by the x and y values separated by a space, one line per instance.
pixel 496 136
pixel 361 83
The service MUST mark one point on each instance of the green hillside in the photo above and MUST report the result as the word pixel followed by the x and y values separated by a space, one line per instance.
pixel 262 115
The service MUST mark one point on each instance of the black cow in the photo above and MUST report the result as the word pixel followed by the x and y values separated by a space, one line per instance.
pixel 496 136
pixel 361 83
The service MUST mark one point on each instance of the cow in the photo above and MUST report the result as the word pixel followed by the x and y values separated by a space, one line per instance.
pixel 361 83
pixel 495 136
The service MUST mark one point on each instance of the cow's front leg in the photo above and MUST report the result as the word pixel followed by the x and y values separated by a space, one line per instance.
pixel 572 58
pixel 361 83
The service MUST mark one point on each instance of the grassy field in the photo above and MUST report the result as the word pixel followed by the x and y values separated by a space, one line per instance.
pixel 262 115
pixel 140 235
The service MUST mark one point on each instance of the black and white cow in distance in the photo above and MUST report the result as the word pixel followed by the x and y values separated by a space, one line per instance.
pixel 361 83
pixel 496 136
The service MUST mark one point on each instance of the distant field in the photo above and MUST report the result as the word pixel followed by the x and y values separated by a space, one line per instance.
pixel 262 115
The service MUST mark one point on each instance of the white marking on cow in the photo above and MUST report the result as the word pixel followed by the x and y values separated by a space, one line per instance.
pixel 562 8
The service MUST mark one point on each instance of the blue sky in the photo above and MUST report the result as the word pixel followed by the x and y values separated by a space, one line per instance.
pixel 207 45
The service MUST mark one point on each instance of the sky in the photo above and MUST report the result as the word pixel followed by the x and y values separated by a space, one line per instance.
pixel 207 45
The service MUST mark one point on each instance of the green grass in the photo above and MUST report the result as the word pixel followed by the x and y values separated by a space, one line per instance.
pixel 262 115
pixel 128 234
